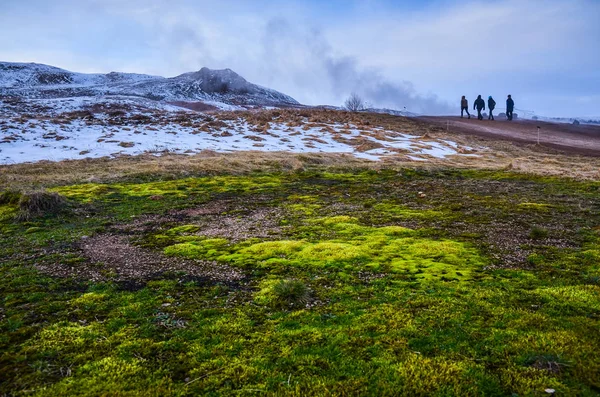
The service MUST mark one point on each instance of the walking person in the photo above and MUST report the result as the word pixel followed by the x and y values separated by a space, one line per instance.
pixel 491 107
pixel 464 107
pixel 510 106
pixel 479 104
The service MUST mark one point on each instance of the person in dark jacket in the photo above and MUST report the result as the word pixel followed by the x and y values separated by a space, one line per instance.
pixel 479 104
pixel 491 107
pixel 510 106
pixel 464 106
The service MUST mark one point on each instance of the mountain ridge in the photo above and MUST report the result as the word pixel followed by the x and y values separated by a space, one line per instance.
pixel 41 81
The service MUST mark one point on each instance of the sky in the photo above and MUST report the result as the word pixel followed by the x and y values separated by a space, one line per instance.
pixel 421 56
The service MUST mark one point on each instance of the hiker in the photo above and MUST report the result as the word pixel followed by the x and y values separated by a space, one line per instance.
pixel 510 106
pixel 491 107
pixel 480 105
pixel 464 106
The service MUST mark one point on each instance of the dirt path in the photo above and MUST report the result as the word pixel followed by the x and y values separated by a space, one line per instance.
pixel 581 139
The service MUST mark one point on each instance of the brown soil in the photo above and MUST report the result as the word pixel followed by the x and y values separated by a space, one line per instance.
pixel 113 257
pixel 262 224
pixel 228 219
pixel 579 139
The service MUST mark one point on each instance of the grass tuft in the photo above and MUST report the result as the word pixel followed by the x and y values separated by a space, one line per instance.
pixel 10 197
pixel 39 204
pixel 291 294
pixel 538 233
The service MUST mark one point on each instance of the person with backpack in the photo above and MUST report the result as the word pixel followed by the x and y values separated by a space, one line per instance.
pixel 510 106
pixel 479 104
pixel 464 106
pixel 491 107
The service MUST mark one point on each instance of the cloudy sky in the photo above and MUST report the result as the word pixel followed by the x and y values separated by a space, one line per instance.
pixel 422 55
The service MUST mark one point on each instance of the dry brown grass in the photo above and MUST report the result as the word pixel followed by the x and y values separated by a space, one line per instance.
pixel 168 165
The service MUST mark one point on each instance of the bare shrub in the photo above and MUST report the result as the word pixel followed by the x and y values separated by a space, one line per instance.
pixel 354 103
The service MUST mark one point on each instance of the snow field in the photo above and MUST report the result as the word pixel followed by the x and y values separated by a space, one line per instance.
pixel 38 140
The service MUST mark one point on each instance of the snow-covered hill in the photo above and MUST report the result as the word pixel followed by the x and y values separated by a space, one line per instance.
pixel 214 87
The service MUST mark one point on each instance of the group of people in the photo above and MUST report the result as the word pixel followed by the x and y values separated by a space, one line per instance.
pixel 479 104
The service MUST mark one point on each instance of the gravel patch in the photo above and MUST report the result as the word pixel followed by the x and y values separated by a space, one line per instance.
pixel 114 258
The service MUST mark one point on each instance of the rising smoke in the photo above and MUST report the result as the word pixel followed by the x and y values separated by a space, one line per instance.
pixel 306 58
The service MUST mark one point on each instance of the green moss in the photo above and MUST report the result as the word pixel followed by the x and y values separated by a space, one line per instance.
pixel 331 253
pixel 436 311
pixel 303 198
pixel 65 335
pixel 363 248
pixel 84 193
pixel 204 249
pixel 583 297
pixel 265 296
pixel 335 220
pixel 402 212
pixel 180 230
pixel 273 249
pixel 112 376
pixel 180 188
pixel 305 209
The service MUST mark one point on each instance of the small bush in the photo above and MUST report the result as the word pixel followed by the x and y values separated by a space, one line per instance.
pixel 290 294
pixel 10 197
pixel 538 232
pixel 33 205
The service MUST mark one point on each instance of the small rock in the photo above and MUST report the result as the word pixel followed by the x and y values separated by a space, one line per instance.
pixel 550 391
pixel 166 304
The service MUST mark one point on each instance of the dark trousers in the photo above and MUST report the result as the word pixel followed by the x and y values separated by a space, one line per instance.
pixel 491 116
pixel 464 109
pixel 509 114
pixel 479 115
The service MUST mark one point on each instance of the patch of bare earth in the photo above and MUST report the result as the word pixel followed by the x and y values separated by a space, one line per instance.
pixel 215 221
pixel 228 219
pixel 114 258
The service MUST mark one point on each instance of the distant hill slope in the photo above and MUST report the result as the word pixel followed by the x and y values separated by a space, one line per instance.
pixel 37 81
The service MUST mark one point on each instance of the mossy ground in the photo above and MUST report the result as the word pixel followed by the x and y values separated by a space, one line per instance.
pixel 418 283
